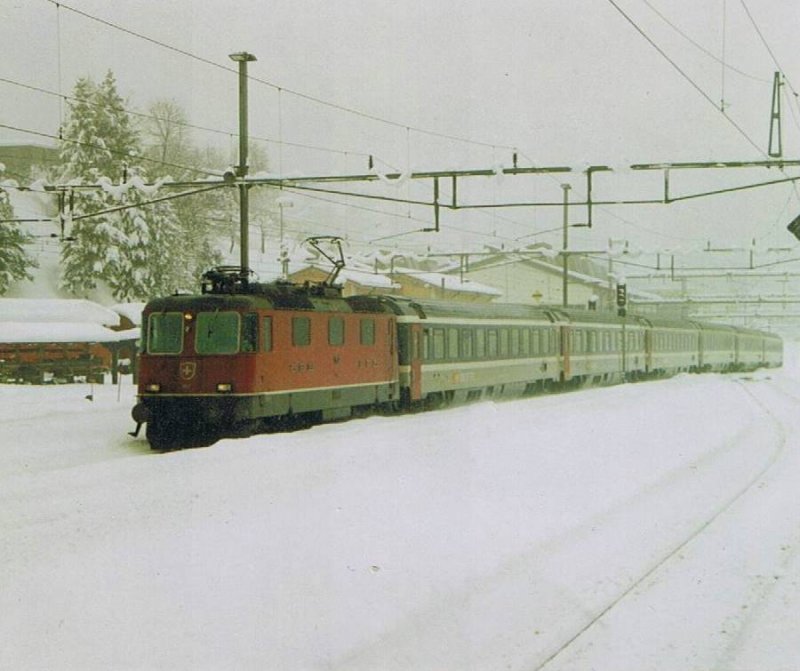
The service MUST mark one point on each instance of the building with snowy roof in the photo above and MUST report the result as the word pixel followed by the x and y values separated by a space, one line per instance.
pixel 43 340
pixel 535 276
pixel 354 280
pixel 426 284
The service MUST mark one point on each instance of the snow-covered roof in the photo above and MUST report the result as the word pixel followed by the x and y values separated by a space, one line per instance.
pixel 58 310
pixel 62 332
pixel 366 278
pixel 450 282
pixel 131 311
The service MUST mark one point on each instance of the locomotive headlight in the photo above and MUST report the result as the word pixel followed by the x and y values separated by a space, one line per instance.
pixel 153 387
pixel 224 387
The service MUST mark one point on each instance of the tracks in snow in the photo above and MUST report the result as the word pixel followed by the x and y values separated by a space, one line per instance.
pixel 597 618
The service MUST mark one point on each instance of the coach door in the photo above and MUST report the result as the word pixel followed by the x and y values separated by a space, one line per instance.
pixel 415 362
pixel 566 340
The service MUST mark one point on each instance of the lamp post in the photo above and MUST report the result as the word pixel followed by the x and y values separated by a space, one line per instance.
pixel 243 58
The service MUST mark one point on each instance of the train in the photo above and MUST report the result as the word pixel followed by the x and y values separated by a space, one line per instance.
pixel 245 357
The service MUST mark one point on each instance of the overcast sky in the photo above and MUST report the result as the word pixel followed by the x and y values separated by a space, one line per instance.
pixel 566 82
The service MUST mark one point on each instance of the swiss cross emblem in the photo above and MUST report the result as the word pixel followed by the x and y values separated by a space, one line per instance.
pixel 188 369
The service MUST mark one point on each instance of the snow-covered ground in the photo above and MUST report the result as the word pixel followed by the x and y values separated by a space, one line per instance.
pixel 647 526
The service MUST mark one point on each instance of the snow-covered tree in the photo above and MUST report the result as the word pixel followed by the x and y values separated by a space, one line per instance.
pixel 133 251
pixel 15 262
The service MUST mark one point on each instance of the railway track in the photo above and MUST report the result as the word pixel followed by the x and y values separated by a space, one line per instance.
pixel 597 618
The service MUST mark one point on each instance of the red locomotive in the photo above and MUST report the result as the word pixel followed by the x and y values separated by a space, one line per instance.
pixel 246 357
pixel 242 355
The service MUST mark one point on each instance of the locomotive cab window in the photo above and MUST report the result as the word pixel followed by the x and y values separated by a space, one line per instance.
pixel 217 333
pixel 165 333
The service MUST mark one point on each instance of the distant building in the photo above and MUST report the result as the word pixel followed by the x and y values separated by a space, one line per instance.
pixel 353 280
pixel 19 159
pixel 422 284
pixel 47 340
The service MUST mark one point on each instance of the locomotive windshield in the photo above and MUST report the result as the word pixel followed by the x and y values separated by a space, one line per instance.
pixel 165 333
pixel 217 333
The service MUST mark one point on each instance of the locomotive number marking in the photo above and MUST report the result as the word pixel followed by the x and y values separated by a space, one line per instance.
pixel 301 367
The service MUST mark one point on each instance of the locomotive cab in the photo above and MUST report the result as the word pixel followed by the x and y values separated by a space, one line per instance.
pixel 243 357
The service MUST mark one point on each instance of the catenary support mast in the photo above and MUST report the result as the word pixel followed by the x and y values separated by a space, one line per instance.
pixel 243 58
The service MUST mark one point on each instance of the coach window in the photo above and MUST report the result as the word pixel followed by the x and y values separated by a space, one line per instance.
pixel 514 342
pixel 165 333
pixel 217 333
pixel 480 343
pixel 535 339
pixel 335 331
pixel 525 342
pixel 367 331
pixel 438 343
pixel 491 343
pixel 301 331
pixel 452 343
pixel 503 342
pixel 266 327
pixel 249 332
pixel 466 344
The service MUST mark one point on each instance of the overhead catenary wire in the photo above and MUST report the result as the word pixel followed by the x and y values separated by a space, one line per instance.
pixel 183 124
pixel 298 94
pixel 684 74
pixel 90 145
pixel 725 65
pixel 795 99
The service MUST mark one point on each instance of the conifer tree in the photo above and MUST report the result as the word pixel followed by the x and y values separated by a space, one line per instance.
pixel 15 262
pixel 132 251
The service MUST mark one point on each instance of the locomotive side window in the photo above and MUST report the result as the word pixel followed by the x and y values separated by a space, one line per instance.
pixel 367 331
pixel 165 333
pixel 335 331
pixel 217 333
pixel 301 331
pixel 249 332
pixel 266 327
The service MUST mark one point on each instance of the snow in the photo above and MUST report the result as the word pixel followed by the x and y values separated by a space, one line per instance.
pixel 131 311
pixel 62 332
pixel 450 282
pixel 56 311
pixel 650 530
